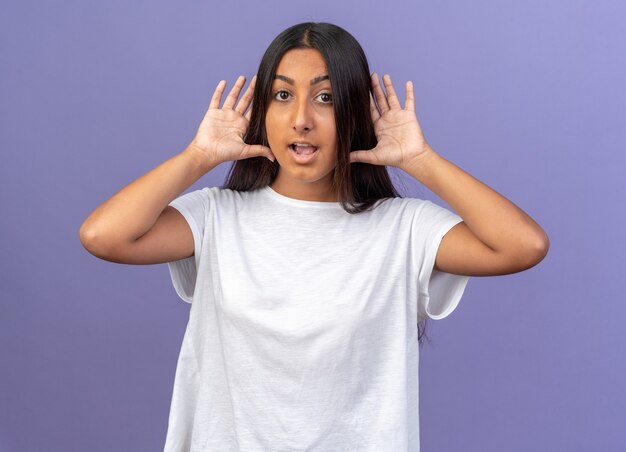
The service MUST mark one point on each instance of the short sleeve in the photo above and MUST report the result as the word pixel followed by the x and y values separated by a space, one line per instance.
pixel 194 207
pixel 439 292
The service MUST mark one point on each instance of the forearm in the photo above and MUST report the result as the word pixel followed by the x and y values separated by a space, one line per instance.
pixel 133 210
pixel 495 220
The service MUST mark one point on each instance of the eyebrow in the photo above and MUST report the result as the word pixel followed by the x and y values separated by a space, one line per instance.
pixel 292 82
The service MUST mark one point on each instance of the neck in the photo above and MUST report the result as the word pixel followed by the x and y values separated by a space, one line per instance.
pixel 314 191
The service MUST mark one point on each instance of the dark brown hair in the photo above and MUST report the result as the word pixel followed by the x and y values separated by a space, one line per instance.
pixel 358 185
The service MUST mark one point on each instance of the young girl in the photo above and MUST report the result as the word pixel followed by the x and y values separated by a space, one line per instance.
pixel 307 273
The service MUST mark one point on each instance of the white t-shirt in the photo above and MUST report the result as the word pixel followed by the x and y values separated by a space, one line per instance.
pixel 302 333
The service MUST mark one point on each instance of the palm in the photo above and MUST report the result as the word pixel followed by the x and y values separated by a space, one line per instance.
pixel 399 135
pixel 223 130
pixel 398 132
pixel 220 135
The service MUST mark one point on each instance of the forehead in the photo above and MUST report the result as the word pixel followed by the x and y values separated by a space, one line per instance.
pixel 304 62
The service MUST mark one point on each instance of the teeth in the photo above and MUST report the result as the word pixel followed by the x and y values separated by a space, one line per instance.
pixel 303 149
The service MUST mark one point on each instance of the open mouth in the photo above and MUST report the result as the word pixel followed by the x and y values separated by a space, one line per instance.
pixel 303 148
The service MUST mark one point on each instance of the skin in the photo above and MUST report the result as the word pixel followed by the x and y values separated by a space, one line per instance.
pixel 495 237
pixel 301 110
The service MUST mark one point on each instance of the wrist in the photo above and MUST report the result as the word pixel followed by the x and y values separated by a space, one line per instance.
pixel 202 159
pixel 420 162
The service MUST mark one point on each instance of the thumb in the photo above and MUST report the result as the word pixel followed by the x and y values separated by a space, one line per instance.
pixel 258 150
pixel 362 156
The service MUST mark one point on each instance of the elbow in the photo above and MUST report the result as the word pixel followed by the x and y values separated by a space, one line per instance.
pixel 525 255
pixel 536 251
pixel 104 247
pixel 87 239
pixel 92 242
pixel 85 236
pixel 542 246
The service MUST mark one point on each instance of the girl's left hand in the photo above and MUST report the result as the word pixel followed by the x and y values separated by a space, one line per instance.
pixel 400 137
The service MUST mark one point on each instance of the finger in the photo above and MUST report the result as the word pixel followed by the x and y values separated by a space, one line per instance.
pixel 217 95
pixel 381 99
pixel 258 150
pixel 233 95
pixel 246 99
pixel 374 109
pixel 410 97
pixel 392 97
pixel 364 157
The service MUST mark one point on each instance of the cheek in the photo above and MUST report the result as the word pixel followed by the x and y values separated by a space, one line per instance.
pixel 331 131
pixel 270 128
pixel 329 126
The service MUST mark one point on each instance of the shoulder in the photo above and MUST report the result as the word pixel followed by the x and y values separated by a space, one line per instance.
pixel 405 205
pixel 394 213
pixel 227 194
pixel 229 200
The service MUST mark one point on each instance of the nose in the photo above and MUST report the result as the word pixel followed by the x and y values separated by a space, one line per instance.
pixel 303 116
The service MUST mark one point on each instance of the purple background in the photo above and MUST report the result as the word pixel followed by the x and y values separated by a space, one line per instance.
pixel 528 97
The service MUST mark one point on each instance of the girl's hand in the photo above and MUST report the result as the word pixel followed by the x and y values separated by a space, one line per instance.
pixel 221 132
pixel 400 139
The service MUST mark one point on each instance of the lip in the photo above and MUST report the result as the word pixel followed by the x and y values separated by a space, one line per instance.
pixel 304 158
pixel 303 143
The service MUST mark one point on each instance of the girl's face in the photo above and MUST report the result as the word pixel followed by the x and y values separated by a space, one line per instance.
pixel 300 127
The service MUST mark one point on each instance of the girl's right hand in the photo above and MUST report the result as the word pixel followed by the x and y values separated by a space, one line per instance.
pixel 221 132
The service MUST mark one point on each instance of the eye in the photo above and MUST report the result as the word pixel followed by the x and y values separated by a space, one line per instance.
pixel 281 95
pixel 326 98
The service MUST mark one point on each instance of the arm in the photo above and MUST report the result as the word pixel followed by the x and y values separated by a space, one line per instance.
pixel 136 225
pixel 133 210
pixel 495 236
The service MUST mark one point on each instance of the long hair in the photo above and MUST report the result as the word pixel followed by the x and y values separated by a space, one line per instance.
pixel 358 185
